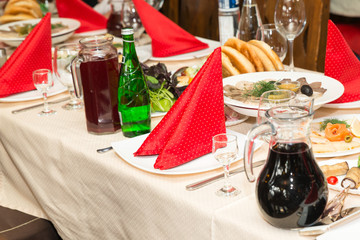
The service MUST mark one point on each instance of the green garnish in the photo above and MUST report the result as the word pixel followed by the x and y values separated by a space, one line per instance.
pixel 261 87
pixel 348 138
pixel 359 162
pixel 332 121
pixel 161 99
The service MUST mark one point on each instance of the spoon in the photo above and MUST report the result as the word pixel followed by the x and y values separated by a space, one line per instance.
pixel 104 150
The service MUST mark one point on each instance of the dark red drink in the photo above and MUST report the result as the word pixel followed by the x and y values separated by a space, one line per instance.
pixel 291 189
pixel 114 25
pixel 100 80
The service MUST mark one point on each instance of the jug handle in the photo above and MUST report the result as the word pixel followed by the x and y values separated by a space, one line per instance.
pixel 75 67
pixel 265 128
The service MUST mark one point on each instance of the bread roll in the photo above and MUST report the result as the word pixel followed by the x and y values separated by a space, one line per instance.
pixel 234 43
pixel 248 51
pixel 269 52
pixel 238 60
pixel 227 68
pixel 265 60
pixel 17 10
pixel 14 18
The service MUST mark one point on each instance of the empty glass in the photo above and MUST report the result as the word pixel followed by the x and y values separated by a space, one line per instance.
pixel 43 81
pixel 269 34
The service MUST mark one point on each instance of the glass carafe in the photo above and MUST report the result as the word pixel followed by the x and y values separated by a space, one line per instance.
pixel 250 20
pixel 96 72
pixel 291 190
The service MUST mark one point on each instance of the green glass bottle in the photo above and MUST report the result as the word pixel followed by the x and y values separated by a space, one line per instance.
pixel 134 99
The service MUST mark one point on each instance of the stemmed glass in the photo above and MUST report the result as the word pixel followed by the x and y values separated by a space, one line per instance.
pixel 43 81
pixel 290 21
pixel 63 55
pixel 225 150
pixel 269 34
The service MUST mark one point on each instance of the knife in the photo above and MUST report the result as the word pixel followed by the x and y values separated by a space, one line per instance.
pixel 205 182
pixel 39 105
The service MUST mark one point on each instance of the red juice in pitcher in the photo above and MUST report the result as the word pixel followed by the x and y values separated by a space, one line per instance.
pixel 100 84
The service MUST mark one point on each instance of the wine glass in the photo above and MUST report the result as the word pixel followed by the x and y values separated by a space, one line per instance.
pixel 43 81
pixel 225 150
pixel 290 21
pixel 269 34
pixel 63 55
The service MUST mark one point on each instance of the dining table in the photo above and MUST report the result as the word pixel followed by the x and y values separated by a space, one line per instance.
pixel 49 168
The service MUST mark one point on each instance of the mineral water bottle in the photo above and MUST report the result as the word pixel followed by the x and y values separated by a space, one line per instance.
pixel 229 15
pixel 133 94
pixel 250 20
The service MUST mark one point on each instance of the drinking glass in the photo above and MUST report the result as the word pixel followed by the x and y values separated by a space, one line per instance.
pixel 63 55
pixel 225 150
pixel 290 21
pixel 43 81
pixel 269 34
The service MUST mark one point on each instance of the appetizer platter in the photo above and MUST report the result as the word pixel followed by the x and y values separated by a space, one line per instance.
pixel 340 173
pixel 334 89
pixel 14 33
pixel 335 136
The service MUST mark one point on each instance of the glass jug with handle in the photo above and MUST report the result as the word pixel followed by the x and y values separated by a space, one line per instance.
pixel 96 73
pixel 291 190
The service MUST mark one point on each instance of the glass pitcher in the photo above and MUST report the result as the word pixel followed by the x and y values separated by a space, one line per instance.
pixel 291 190
pixel 96 72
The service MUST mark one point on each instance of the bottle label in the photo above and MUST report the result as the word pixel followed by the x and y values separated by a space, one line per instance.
pixel 226 4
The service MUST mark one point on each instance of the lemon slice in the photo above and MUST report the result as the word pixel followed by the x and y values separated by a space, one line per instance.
pixel 355 127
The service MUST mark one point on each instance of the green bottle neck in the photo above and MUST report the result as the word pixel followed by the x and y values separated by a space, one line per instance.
pixel 129 46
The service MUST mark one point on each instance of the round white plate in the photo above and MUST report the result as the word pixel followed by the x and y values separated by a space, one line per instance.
pixel 347 105
pixel 233 123
pixel 146 163
pixel 143 53
pixel 334 88
pixel 337 187
pixel 347 117
pixel 158 114
pixel 191 55
pixel 56 37
pixel 34 94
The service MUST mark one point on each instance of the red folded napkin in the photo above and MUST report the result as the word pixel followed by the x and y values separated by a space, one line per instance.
pixel 167 38
pixel 342 64
pixel 351 33
pixel 186 130
pixel 33 53
pixel 90 19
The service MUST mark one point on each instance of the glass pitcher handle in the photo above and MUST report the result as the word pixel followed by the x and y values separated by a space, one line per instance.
pixel 265 128
pixel 75 69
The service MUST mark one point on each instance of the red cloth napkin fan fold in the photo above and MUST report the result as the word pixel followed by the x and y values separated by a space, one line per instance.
pixel 186 131
pixel 33 53
pixel 342 64
pixel 90 19
pixel 167 38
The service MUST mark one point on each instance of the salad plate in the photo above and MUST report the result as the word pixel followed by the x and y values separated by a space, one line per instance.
pixel 334 88
pixel 337 186
pixel 346 117
pixel 146 163
pixel 56 37
pixel 35 94
pixel 348 105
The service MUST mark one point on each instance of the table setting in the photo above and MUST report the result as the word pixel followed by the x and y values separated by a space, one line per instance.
pixel 193 174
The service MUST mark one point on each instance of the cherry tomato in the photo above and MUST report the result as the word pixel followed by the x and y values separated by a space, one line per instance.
pixel 332 180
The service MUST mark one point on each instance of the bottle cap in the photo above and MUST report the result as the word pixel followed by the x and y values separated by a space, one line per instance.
pixel 127 31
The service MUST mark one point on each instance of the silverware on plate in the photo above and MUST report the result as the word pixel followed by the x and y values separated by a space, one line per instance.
pixel 39 105
pixel 104 150
pixel 205 182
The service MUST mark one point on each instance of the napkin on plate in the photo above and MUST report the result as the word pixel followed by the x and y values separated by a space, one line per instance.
pixel 186 131
pixel 167 38
pixel 33 53
pixel 342 64
pixel 90 19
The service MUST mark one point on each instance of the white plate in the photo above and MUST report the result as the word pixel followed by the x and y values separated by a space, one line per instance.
pixel 143 53
pixel 334 88
pixel 191 55
pixel 233 123
pixel 337 187
pixel 146 163
pixel 34 94
pixel 158 114
pixel 56 37
pixel 347 105
pixel 342 153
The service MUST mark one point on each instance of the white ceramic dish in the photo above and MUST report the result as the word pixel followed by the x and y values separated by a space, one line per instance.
pixel 334 88
pixel 347 117
pixel 348 105
pixel 188 56
pixel 146 163
pixel 56 37
pixel 34 94
pixel 337 187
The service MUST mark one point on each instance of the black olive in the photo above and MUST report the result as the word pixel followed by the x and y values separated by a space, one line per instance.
pixel 307 90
